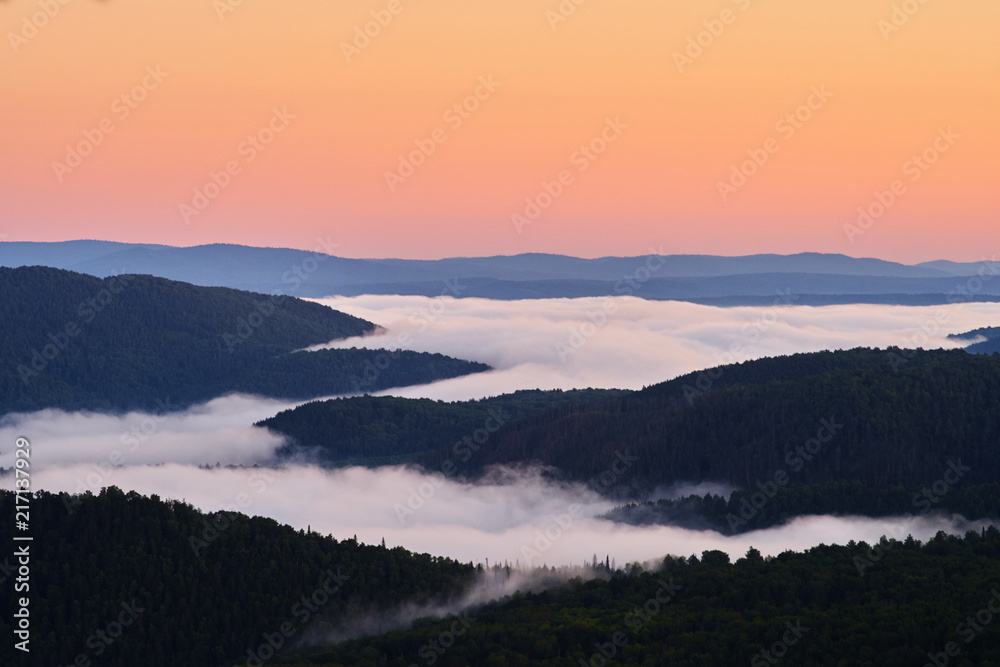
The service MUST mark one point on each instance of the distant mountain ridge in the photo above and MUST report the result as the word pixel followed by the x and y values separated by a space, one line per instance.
pixel 814 277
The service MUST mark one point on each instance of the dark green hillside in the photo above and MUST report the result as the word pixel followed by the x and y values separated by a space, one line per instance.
pixel 879 417
pixel 206 587
pixel 770 505
pixel 73 341
pixel 856 431
pixel 389 429
pixel 988 346
pixel 189 588
pixel 812 609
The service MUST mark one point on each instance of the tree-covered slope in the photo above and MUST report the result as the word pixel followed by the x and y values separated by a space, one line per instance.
pixel 386 429
pixel 899 604
pixel 879 417
pixel 989 344
pixel 193 588
pixel 770 504
pixel 891 421
pixel 74 341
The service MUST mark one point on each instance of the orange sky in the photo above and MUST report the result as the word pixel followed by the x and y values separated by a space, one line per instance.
pixel 674 129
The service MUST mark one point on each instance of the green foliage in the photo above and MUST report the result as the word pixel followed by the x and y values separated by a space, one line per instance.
pixel 912 600
pixel 210 585
pixel 77 342
pixel 370 429
pixel 753 509
pixel 850 432
pixel 901 416
pixel 990 345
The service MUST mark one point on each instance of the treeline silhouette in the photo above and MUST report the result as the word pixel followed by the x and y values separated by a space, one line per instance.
pixel 200 589
pixel 76 342
pixel 837 432
pixel 878 417
pixel 990 344
pixel 753 509
pixel 369 429
pixel 892 604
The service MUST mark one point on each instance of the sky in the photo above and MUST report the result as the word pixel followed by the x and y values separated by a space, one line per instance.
pixel 408 128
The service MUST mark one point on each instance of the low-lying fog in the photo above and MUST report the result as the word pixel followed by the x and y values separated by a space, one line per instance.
pixel 519 517
pixel 562 343
pixel 627 342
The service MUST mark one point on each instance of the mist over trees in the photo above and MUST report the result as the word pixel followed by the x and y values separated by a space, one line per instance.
pixel 889 604
pixel 203 588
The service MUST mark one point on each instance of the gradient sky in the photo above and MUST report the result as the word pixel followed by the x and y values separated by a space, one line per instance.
pixel 229 64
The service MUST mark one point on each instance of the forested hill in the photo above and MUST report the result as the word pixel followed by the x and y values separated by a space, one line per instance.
pixel 894 604
pixel 74 341
pixel 194 589
pixel 987 340
pixel 373 430
pixel 881 417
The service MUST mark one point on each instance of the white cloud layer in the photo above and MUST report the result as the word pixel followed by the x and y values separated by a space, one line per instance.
pixel 219 431
pixel 558 343
pixel 521 518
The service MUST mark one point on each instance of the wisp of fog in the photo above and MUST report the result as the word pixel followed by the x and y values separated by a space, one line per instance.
pixel 519 516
